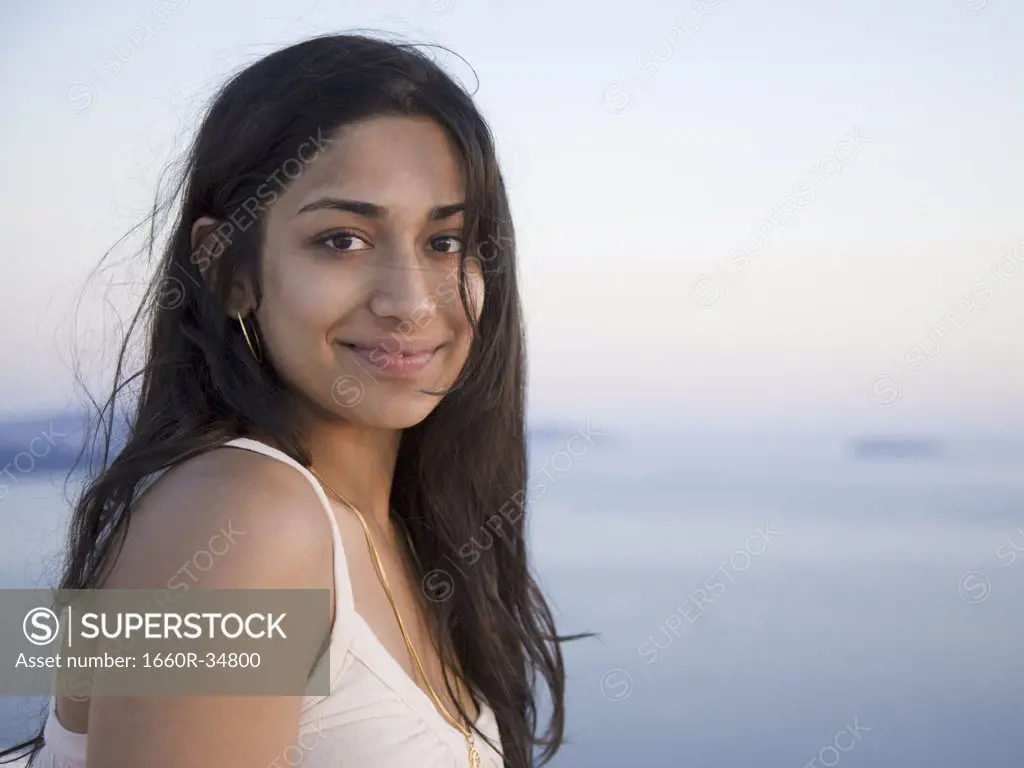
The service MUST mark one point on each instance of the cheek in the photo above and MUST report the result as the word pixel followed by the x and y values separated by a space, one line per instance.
pixel 297 311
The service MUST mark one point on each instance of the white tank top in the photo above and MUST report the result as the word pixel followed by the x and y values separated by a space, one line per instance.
pixel 374 716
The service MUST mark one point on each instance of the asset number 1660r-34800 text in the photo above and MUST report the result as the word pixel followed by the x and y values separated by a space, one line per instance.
pixel 185 660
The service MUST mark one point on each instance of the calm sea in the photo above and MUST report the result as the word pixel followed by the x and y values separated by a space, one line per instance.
pixel 762 604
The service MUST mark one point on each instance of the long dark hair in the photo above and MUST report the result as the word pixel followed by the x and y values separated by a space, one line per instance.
pixel 199 385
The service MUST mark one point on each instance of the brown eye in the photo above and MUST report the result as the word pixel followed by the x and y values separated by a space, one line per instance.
pixel 342 241
pixel 454 244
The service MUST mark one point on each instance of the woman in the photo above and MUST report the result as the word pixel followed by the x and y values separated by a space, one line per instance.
pixel 335 367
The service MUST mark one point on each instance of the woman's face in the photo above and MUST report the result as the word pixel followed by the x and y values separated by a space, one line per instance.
pixel 360 273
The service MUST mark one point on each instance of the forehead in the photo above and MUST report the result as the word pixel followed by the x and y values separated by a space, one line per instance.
pixel 400 162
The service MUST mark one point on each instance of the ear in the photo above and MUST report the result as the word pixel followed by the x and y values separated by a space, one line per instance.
pixel 207 245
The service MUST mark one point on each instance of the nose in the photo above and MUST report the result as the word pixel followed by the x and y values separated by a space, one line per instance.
pixel 404 290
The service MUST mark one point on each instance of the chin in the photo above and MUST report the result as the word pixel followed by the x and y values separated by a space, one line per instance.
pixel 395 412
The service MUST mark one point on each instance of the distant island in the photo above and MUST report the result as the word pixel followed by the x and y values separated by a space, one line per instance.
pixel 51 442
pixel 885 448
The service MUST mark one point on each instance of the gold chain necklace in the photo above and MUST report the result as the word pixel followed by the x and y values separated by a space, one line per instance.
pixel 474 753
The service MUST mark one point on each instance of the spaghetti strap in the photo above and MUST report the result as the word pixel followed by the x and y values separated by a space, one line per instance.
pixel 342 583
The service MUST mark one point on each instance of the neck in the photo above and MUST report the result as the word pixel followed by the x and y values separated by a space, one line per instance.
pixel 358 462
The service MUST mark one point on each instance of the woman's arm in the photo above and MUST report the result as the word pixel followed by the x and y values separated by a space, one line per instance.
pixel 280 539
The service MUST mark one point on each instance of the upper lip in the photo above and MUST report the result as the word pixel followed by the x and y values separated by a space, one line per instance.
pixel 395 346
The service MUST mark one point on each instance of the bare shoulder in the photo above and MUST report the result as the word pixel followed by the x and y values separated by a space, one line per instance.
pixel 228 518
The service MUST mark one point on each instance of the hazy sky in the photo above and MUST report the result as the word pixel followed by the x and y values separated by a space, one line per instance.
pixel 728 210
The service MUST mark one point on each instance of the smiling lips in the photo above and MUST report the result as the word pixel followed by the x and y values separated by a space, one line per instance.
pixel 407 361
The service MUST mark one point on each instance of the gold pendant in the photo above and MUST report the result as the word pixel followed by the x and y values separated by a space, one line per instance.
pixel 474 756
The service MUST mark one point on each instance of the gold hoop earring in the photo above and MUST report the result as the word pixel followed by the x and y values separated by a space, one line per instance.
pixel 257 351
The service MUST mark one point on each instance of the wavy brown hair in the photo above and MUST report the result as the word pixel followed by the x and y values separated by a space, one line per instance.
pixel 198 385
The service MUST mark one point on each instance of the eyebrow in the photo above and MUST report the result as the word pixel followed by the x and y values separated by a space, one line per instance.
pixel 372 210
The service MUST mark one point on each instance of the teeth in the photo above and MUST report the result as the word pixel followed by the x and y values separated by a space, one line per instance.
pixel 396 357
